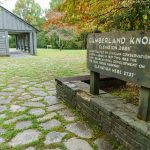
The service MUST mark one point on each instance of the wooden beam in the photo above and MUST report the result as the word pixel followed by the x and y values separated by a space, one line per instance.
pixel 144 104
pixel 94 83
pixel 31 43
pixel 35 43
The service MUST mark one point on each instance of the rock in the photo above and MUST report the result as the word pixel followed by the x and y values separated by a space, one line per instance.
pixel 50 124
pixel 39 93
pixel 6 101
pixel 37 111
pixel 32 83
pixel 16 108
pixel 54 137
pixel 25 96
pixel 30 148
pixel 8 89
pixel 53 149
pixel 67 115
pixel 37 99
pixel 38 85
pixel 102 144
pixel 2 116
pixel 25 137
pixel 34 104
pixel 77 144
pixel 47 117
pixel 34 89
pixel 51 100
pixel 2 131
pixel 80 129
pixel 4 93
pixel 23 124
pixel 56 107
pixel 3 108
pixel 1 140
pixel 46 83
pixel 15 119
pixel 52 92
pixel 24 86
pixel 2 98
pixel 24 81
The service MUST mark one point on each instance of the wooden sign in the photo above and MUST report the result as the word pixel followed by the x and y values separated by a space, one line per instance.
pixel 123 55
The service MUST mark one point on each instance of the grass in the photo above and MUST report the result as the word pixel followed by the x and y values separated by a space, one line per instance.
pixel 129 93
pixel 46 65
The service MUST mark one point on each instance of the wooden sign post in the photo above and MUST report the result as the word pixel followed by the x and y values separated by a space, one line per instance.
pixel 123 55
pixel 144 104
pixel 94 83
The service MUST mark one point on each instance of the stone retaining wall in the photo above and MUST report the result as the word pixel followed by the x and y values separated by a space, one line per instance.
pixel 111 113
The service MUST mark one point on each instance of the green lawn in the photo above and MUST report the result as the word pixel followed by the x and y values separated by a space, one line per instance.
pixel 47 64
pixel 23 79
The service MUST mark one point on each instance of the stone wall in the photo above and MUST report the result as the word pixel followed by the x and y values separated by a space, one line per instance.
pixel 111 113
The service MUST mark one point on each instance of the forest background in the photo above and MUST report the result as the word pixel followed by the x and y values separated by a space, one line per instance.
pixel 66 24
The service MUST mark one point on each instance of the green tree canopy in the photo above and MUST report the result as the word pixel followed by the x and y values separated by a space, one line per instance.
pixel 54 4
pixel 30 11
pixel 107 15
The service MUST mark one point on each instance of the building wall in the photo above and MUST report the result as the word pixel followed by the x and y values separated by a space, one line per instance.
pixel 4 43
pixel 11 24
pixel 113 116
pixel 8 21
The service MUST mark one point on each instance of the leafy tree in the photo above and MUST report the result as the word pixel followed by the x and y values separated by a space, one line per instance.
pixel 54 4
pixel 63 38
pixel 42 39
pixel 107 15
pixel 30 11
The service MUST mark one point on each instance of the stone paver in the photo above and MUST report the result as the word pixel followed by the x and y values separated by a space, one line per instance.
pixel 3 108
pixel 56 107
pixel 80 129
pixel 47 117
pixel 37 111
pixel 2 116
pixel 50 124
pixel 2 98
pixel 23 124
pixel 8 89
pixel 51 100
pixel 6 101
pixel 15 119
pixel 16 108
pixel 2 131
pixel 25 137
pixel 36 99
pixel 77 144
pixel 30 148
pixel 34 104
pixel 54 137
pixel 54 149
pixel 102 144
pixel 52 92
pixel 1 140
pixel 67 115
pixel 39 93
pixel 25 96
pixel 30 112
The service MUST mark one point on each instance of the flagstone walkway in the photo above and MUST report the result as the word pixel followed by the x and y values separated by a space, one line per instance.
pixel 32 118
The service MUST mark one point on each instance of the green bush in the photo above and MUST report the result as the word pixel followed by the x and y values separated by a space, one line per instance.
pixel 74 43
pixel 12 42
pixel 42 40
pixel 53 41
